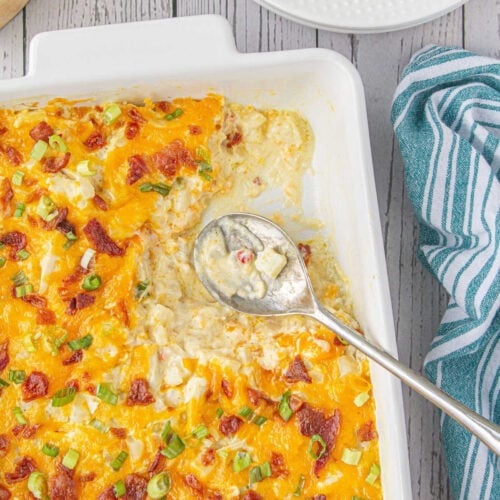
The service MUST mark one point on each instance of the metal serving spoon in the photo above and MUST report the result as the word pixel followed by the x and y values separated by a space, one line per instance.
pixel 291 293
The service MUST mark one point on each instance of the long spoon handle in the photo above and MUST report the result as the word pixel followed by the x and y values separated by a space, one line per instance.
pixel 483 429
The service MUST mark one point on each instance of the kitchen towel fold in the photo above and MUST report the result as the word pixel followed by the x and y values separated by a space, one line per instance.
pixel 446 115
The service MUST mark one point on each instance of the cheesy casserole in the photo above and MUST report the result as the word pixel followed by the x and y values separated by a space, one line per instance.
pixel 119 375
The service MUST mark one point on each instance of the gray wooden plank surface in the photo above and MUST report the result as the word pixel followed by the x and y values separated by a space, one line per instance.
pixel 418 301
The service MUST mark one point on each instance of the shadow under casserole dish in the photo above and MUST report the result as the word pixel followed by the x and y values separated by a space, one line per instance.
pixel 119 375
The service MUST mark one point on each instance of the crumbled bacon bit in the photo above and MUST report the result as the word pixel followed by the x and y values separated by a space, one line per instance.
pixel 233 139
pixel 297 372
pixel 3 130
pixel 4 354
pixel 4 444
pixel 367 431
pixel 76 357
pixel 194 129
pixel 4 493
pixel 12 154
pixel 100 203
pixel 17 429
pixel 245 255
pixel 62 213
pixel 23 469
pixel 62 485
pixel 81 301
pixel 122 313
pixel 66 227
pixel 136 115
pixel 45 317
pixel 257 181
pixel 119 432
pixel 157 464
pixel 131 130
pixel 6 195
pixel 227 388
pixel 100 239
pixel 278 465
pixel 54 164
pixel 107 494
pixel 95 141
pixel 29 431
pixel 76 276
pixel 136 487
pixel 139 393
pixel 319 497
pixel 230 424
pixel 36 195
pixel 208 457
pixel 251 495
pixel 41 132
pixel 137 169
pixel 305 252
pixel 295 403
pixel 256 396
pixel 172 157
pixel 192 481
pixel 35 300
pixel 15 240
pixel 91 389
pixel 35 386
pixel 163 106
pixel 73 384
pixel 88 477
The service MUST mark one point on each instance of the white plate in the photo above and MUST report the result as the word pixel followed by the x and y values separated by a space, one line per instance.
pixel 361 16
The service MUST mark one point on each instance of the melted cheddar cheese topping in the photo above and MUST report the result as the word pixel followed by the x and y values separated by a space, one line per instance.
pixel 108 342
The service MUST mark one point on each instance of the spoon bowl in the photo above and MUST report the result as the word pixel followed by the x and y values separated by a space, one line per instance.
pixel 289 291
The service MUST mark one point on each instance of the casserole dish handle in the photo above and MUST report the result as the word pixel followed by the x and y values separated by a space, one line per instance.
pixel 121 48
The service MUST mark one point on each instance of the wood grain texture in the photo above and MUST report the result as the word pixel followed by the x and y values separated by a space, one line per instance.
pixel 417 299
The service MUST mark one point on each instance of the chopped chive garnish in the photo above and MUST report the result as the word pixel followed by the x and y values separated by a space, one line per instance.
pixel 37 485
pixel 265 470
pixel 70 235
pixel 111 113
pixel 361 399
pixel 175 446
pixel 200 432
pixel 91 282
pixel 219 412
pixel 246 412
pixel 260 472
pixel 19 278
pixel 28 343
pixel 300 486
pixel 175 114
pixel 202 153
pixel 17 376
pixel 119 488
pixel 222 453
pixel 87 257
pixel 39 150
pixel 23 290
pixel 140 289
pixel 316 438
pixel 46 209
pixel 284 408
pixel 99 425
pixel 3 260
pixel 22 254
pixel 81 343
pixel 50 450
pixel 241 461
pixel 351 456
pixel 259 420
pixel 63 396
pixel 71 459
pixel 20 208
pixel 18 413
pixel 159 485
pixel 373 474
pixel 203 170
pixel 160 188
pixel 68 244
pixel 83 168
pixel 4 383
pixel 119 460
pixel 56 142
pixel 167 430
pixel 17 178
pixel 105 393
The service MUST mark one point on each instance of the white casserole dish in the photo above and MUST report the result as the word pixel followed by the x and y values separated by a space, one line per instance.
pixel 195 55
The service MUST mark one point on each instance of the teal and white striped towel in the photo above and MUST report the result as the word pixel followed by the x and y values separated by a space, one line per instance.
pixel 446 115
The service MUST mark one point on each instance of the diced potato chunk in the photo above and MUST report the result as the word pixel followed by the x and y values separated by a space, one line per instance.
pixel 270 262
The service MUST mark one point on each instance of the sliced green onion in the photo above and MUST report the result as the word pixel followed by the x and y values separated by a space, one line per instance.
pixel 159 485
pixel 20 208
pixel 140 289
pixel 87 256
pixel 119 488
pixel 99 425
pixel 18 413
pixel 91 282
pixel 22 254
pixel 200 432
pixel 17 178
pixel 4 383
pixel 111 113
pixel 58 342
pixel 50 450
pixel 316 438
pixel 23 290
pixel 167 430
pixel 105 393
pixel 203 154
pixel 63 396
pixel 119 460
pixel 175 446
pixel 46 209
pixel 265 470
pixel 241 461
pixel 361 399
pixel 219 412
pixel 300 486
pixel 83 168
pixel 28 343
pixel 71 459
pixel 284 408
pixel 204 169
pixel 17 376
pixel 70 235
pixel 56 142
pixel 19 278
pixel 160 188
pixel 175 114
pixel 81 343
pixel 3 260
pixel 259 420
pixel 255 475
pixel 222 453
pixel 246 412
pixel 373 474
pixel 39 150
pixel 350 456
pixel 37 485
